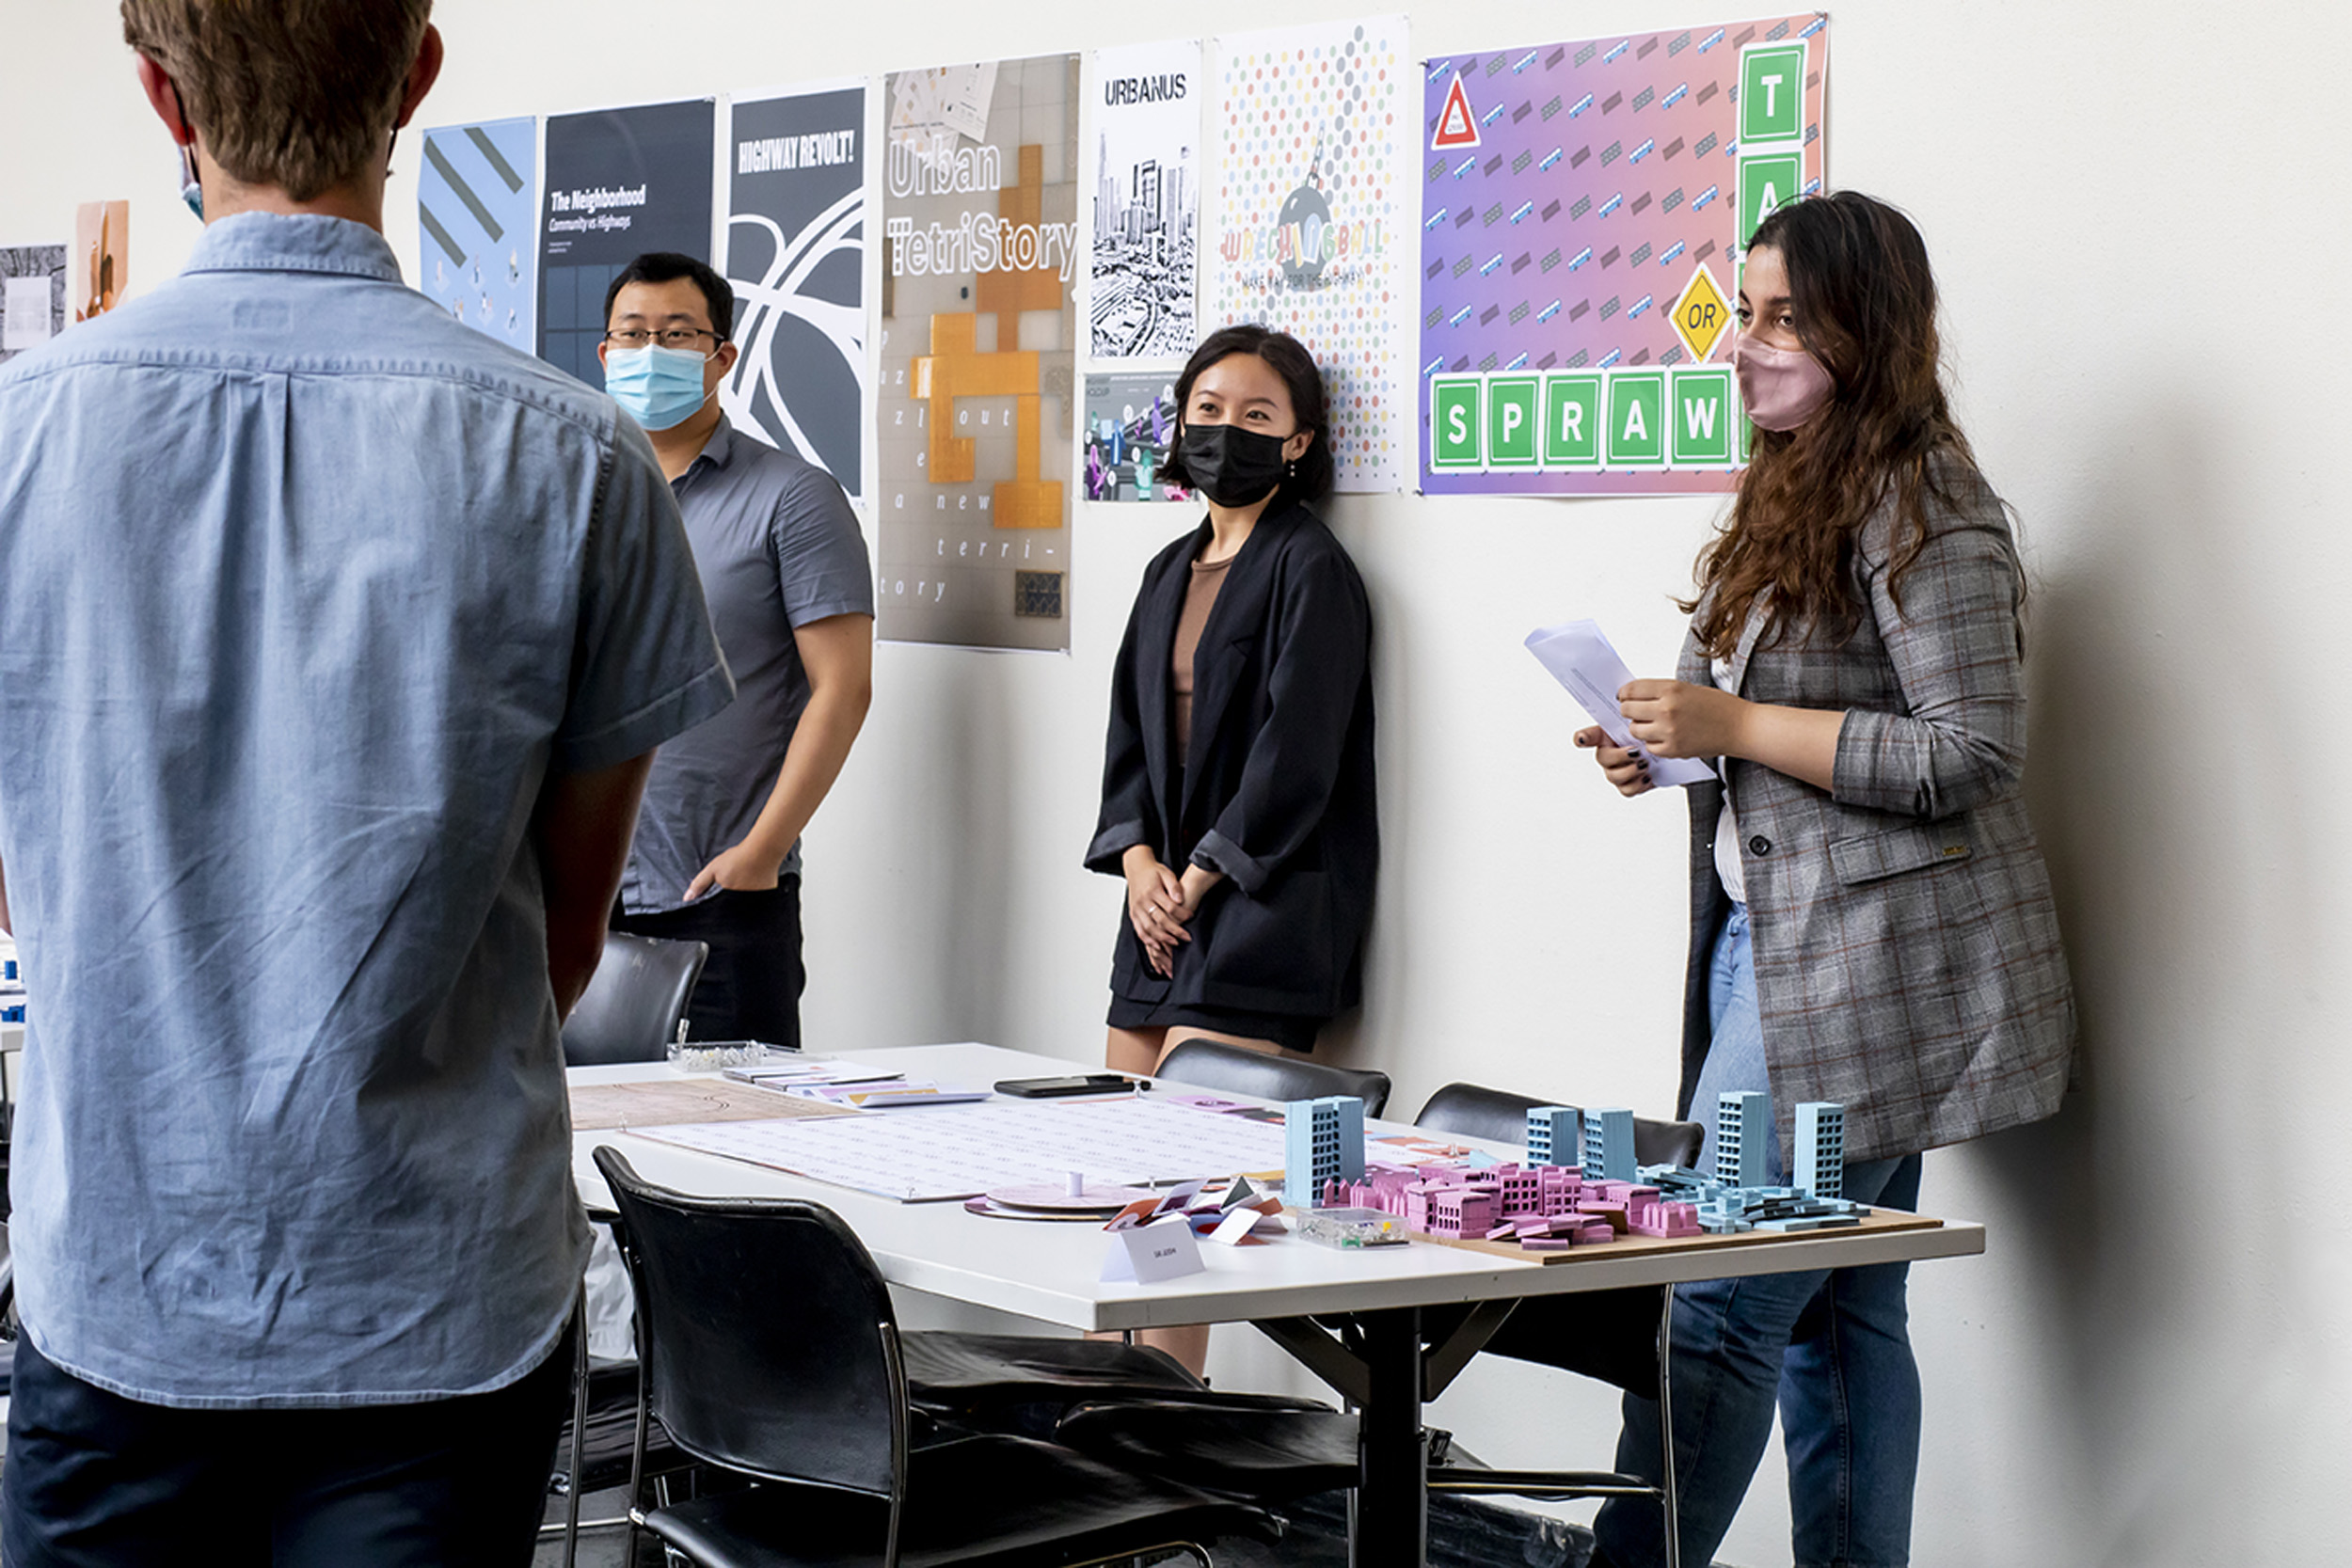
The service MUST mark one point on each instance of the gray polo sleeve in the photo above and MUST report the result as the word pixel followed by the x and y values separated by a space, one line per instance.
pixel 822 568
pixel 645 664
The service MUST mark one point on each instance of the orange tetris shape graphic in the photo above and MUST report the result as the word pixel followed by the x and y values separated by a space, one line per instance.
pixel 955 368
pixel 1456 125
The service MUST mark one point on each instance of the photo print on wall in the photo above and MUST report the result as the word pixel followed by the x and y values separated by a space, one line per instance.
pixel 1147 105
pixel 796 254
pixel 1582 208
pixel 975 414
pixel 100 269
pixel 478 255
pixel 1314 132
pixel 1130 424
pixel 32 296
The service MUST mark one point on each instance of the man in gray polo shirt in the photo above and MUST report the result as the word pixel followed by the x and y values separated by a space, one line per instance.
pixel 716 857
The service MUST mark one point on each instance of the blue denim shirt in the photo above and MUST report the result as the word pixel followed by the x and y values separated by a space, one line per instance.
pixel 305 589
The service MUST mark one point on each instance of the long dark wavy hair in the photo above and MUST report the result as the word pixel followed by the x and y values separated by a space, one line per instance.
pixel 1863 301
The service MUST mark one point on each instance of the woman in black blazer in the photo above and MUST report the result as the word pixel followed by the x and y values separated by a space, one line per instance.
pixel 1238 790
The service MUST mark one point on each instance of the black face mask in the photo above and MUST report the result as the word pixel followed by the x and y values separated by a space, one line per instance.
pixel 1230 466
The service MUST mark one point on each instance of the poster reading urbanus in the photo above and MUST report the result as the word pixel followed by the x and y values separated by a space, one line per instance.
pixel 796 254
pixel 1314 141
pixel 620 182
pixel 1582 209
pixel 1147 106
pixel 1130 423
pixel 476 203
pixel 979 328
pixel 32 296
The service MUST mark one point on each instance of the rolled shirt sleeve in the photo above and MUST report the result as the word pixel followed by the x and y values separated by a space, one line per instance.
pixel 645 663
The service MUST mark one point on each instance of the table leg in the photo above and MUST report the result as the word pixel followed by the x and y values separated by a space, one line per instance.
pixel 1392 1496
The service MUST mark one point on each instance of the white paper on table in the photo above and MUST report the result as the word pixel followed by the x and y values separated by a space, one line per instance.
pixel 25 313
pixel 1233 1227
pixel 1581 660
pixel 1148 1253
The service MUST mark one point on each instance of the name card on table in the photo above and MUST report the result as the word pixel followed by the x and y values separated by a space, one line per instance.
pixel 1148 1253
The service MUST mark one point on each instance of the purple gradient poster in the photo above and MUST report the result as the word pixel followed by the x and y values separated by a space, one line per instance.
pixel 1582 206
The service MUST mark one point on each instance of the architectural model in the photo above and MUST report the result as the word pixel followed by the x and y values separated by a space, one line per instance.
pixel 1743 1138
pixel 1609 1144
pixel 1323 1142
pixel 1555 1135
pixel 1546 1207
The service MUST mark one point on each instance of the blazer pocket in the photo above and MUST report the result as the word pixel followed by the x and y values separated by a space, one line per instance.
pixel 1909 846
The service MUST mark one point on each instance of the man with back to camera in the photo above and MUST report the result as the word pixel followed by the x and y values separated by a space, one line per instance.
pixel 716 857
pixel 335 640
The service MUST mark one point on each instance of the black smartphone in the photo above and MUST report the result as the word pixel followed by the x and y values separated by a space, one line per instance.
pixel 1049 1088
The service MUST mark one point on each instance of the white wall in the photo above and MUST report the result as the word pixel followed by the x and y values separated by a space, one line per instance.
pixel 2139 213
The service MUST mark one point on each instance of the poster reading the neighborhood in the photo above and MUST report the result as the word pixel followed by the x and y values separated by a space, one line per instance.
pixel 477 255
pixel 975 415
pixel 32 296
pixel 796 254
pixel 620 182
pixel 1315 136
pixel 1147 104
pixel 1582 206
pixel 1130 423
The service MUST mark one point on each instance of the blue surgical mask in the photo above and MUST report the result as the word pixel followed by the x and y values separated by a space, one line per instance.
pixel 191 189
pixel 658 388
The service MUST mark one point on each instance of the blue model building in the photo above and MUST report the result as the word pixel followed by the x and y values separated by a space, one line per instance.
pixel 1744 1132
pixel 1323 1142
pixel 1821 1149
pixel 1609 1144
pixel 1553 1135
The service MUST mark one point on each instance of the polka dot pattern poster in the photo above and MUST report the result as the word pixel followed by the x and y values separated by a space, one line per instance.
pixel 1313 214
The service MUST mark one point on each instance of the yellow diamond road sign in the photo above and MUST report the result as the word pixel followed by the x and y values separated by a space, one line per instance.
pixel 1701 315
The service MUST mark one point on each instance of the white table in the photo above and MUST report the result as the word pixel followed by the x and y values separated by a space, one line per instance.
pixel 1050 1272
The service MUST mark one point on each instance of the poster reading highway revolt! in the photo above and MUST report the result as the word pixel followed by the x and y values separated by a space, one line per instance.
pixel 796 254
pixel 1582 206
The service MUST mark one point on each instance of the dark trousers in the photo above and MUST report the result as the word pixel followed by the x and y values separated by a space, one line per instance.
pixel 750 986
pixel 92 1478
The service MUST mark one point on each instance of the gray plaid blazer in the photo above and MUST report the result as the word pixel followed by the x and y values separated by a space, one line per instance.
pixel 1907 955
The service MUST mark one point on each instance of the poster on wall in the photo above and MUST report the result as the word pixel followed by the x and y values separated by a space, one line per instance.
pixel 1147 103
pixel 796 254
pixel 1129 422
pixel 477 255
pixel 32 296
pixel 1583 207
pixel 976 413
pixel 1314 131
pixel 100 268
pixel 620 182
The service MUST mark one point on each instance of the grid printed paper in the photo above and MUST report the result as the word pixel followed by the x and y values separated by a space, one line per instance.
pixel 923 1154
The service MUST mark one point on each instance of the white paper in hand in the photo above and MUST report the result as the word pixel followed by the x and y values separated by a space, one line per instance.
pixel 1581 660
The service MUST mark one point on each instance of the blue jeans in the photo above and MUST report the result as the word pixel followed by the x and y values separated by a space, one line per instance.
pixel 1832 1346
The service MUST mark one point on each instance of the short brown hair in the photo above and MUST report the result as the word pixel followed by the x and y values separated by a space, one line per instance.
pixel 299 94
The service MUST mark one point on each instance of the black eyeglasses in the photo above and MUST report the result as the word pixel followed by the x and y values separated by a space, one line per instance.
pixel 669 337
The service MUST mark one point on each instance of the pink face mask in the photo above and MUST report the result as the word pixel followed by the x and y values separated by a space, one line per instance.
pixel 1781 387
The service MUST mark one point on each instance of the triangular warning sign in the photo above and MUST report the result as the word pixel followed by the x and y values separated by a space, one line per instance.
pixel 1456 125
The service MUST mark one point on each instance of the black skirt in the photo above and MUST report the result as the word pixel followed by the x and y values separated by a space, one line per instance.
pixel 1288 1030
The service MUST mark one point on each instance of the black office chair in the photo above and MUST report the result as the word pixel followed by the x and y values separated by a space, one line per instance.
pixel 1212 1065
pixel 771 1348
pixel 632 1008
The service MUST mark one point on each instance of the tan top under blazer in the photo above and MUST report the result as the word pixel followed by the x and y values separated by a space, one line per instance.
pixel 1907 956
